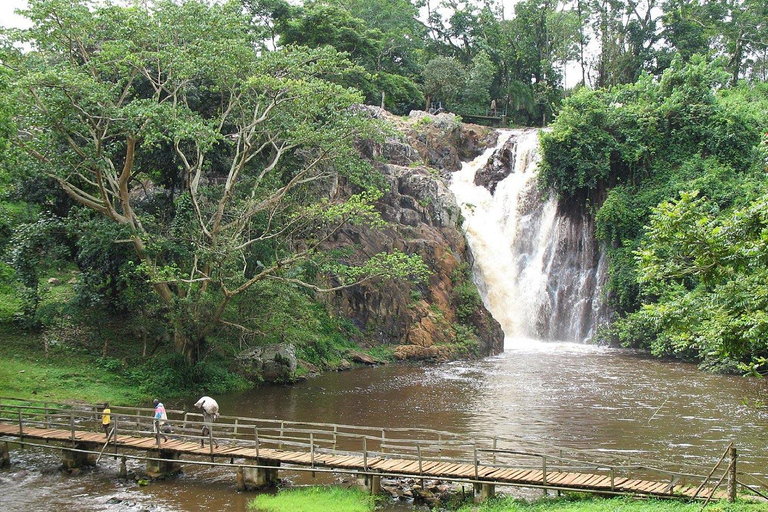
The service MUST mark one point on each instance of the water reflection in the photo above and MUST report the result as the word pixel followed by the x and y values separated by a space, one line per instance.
pixel 564 394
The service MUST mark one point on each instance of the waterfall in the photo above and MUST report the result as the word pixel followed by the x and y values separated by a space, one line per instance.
pixel 537 267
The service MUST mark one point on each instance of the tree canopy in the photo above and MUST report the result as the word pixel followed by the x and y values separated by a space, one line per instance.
pixel 217 165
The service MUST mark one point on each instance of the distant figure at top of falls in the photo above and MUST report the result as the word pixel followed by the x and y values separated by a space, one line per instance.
pixel 539 270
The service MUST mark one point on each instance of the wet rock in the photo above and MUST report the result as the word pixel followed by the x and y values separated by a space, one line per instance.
pixel 499 167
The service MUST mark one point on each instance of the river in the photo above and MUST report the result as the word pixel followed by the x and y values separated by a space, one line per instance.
pixel 569 395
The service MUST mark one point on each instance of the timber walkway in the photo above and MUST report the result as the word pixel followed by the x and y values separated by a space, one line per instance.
pixel 256 448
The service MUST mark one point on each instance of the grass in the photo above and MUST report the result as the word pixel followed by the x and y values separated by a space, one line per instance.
pixel 62 375
pixel 314 499
pixel 338 499
pixel 593 504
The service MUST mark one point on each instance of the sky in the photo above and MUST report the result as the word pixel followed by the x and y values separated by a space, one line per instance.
pixel 7 16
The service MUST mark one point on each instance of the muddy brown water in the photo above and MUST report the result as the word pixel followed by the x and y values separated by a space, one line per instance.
pixel 567 395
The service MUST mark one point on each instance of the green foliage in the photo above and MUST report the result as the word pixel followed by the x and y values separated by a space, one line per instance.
pixel 466 298
pixel 444 79
pixel 467 341
pixel 279 312
pixel 679 164
pixel 705 272
pixel 577 153
pixel 171 375
pixel 585 503
pixel 206 166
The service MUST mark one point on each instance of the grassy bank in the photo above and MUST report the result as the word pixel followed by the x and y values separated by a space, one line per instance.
pixel 91 354
pixel 315 499
pixel 34 368
pixel 321 499
pixel 593 504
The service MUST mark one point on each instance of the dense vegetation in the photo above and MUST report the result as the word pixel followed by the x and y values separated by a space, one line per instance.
pixel 177 161
pixel 675 171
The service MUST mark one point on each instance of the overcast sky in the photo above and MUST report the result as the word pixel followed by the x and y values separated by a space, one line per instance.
pixel 7 17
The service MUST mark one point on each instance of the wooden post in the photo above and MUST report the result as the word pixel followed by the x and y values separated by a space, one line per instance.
pixel 5 456
pixel 21 425
pixel 544 473
pixel 476 472
pixel 282 428
pixel 113 434
pixel 123 473
pixel 335 430
pixel 47 417
pixel 72 423
pixel 732 474
pixel 494 449
pixel 234 440
pixel 256 434
pixel 613 479
pixel 365 454
pixel 312 448
pixel 383 440
pixel 421 468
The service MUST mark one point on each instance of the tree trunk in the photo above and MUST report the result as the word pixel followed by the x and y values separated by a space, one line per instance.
pixel 187 346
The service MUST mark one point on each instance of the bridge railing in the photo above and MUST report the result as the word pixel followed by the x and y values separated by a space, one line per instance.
pixel 364 441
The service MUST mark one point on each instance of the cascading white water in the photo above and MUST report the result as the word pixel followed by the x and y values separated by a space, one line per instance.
pixel 539 271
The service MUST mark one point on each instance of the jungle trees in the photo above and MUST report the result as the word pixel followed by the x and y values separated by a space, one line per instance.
pixel 113 102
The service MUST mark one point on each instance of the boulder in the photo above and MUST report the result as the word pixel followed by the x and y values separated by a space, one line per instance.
pixel 271 363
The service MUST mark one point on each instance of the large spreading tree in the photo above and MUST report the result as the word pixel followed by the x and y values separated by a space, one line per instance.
pixel 128 108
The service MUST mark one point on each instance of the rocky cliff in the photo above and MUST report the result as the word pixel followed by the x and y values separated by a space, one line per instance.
pixel 443 318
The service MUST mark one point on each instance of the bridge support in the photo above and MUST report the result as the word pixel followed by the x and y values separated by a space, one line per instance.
pixel 72 459
pixel 257 478
pixel 166 466
pixel 371 483
pixel 5 456
pixel 484 491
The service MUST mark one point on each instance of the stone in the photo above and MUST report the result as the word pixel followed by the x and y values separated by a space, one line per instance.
pixel 361 358
pixel 271 363
pixel 500 167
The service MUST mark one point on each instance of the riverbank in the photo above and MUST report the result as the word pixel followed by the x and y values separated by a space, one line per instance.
pixel 72 363
pixel 319 499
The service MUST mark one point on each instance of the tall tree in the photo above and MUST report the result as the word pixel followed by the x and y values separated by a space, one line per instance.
pixel 260 142
pixel 389 63
pixel 734 29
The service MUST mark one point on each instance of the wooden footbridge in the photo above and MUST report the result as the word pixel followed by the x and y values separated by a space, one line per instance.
pixel 257 448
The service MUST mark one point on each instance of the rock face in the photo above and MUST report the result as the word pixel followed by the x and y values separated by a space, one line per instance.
pixel 421 320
